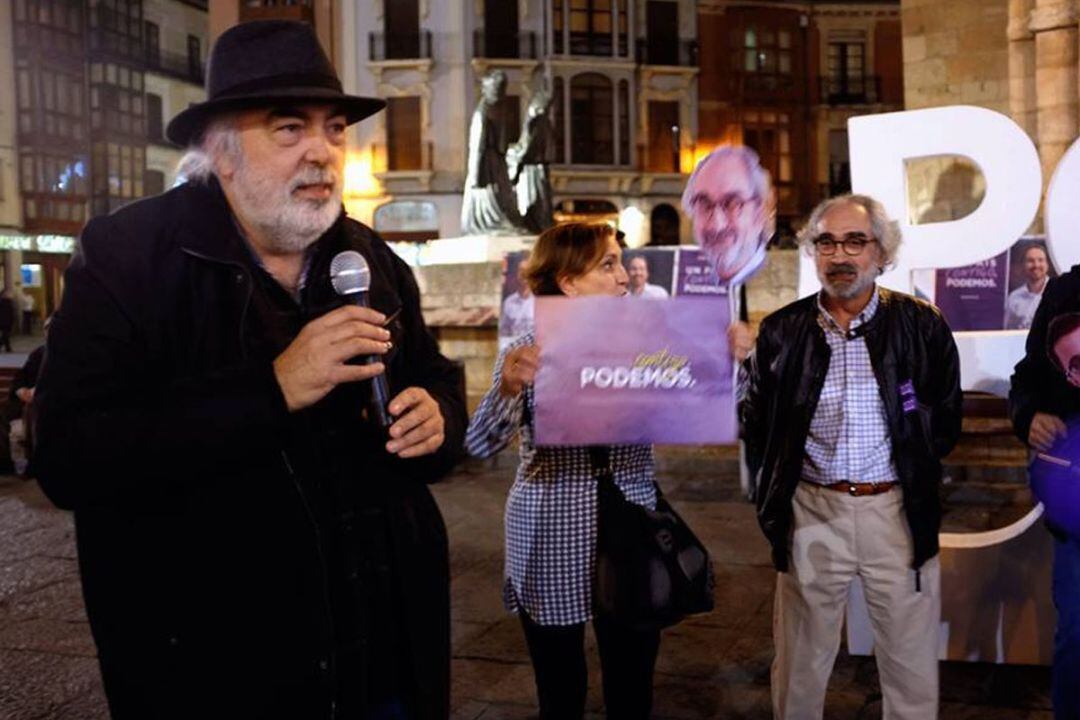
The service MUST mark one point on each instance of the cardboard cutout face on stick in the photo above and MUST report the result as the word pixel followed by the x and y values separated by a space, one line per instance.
pixel 730 199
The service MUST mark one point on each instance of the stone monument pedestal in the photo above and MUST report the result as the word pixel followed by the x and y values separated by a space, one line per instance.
pixel 459 250
pixel 461 282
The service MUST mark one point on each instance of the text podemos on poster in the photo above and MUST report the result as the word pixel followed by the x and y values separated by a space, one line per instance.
pixel 619 372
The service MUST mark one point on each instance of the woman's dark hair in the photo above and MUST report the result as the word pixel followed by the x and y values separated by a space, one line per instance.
pixel 1059 327
pixel 566 251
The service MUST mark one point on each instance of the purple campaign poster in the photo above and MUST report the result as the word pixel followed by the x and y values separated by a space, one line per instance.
pixel 696 277
pixel 972 297
pixel 618 372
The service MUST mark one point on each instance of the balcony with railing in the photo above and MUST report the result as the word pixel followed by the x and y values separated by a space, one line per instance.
pixel 592 44
pixel 403 166
pixel 682 53
pixel 768 86
pixel 410 46
pixel 850 90
pixel 181 67
pixel 488 45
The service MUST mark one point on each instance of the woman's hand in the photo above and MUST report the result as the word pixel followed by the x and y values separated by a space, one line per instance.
pixel 519 370
pixel 740 340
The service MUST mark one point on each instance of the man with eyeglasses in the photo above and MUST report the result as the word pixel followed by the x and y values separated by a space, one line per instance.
pixel 853 397
pixel 1045 393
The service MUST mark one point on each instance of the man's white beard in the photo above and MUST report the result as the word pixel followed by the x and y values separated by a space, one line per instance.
pixel 846 291
pixel 725 256
pixel 288 224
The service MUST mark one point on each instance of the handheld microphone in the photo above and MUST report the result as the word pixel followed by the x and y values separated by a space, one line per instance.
pixel 351 278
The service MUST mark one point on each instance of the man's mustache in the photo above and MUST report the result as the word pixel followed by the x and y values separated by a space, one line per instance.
pixel 840 268
pixel 721 236
pixel 313 176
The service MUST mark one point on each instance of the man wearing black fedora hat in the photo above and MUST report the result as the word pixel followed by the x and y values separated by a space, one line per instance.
pixel 252 542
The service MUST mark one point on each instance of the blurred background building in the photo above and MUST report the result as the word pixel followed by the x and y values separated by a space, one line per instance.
pixel 623 76
pixel 643 89
pixel 87 87
pixel 784 78
pixel 1018 57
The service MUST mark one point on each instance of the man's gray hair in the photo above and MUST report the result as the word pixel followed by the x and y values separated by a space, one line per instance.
pixel 885 230
pixel 220 139
pixel 759 176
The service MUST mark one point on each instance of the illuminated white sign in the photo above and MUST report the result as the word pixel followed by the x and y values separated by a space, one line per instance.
pixel 406 216
pixel 881 146
pixel 38 243
pixel 16 242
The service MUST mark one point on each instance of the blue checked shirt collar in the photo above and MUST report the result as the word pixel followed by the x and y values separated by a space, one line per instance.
pixel 829 324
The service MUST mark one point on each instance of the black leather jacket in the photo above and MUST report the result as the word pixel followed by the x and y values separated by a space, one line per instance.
pixel 1038 386
pixel 908 340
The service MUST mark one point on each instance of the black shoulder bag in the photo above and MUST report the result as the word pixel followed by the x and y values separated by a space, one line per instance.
pixel 651 570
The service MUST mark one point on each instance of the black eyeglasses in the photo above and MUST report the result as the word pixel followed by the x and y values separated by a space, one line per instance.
pixel 731 204
pixel 853 243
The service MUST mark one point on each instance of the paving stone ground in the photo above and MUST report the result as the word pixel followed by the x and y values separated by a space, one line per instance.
pixel 713 666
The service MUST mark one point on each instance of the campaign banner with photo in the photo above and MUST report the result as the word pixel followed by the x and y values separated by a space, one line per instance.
pixel 618 372
pixel 973 297
pixel 1030 267
pixel 696 276
pixel 516 309
pixel 1001 293
pixel 650 272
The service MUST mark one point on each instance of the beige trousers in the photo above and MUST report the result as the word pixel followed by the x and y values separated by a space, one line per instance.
pixel 836 538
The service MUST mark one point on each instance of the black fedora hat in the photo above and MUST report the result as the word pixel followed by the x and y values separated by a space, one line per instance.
pixel 263 63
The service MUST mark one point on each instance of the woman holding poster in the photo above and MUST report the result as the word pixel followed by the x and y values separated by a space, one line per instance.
pixel 551 509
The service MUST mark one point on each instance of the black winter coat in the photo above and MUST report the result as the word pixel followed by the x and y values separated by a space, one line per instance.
pixel 238 560
pixel 907 340
pixel 1036 385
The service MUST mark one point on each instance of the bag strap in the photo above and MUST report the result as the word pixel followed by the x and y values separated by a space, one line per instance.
pixel 600 459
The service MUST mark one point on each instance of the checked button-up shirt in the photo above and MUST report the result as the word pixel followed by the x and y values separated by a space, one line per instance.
pixel 551 509
pixel 849 438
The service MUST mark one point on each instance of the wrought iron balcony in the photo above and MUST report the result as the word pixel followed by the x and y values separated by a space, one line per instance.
pixel 495 45
pixel 411 46
pixel 683 53
pixel 183 67
pixel 850 90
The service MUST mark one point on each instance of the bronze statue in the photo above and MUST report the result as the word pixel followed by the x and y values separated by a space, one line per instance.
pixel 527 161
pixel 489 206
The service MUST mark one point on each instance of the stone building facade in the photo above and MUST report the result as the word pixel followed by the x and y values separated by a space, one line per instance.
pixel 623 74
pixel 87 86
pixel 784 78
pixel 1018 57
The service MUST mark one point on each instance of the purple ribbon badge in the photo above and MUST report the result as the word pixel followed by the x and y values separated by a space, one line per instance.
pixel 907 395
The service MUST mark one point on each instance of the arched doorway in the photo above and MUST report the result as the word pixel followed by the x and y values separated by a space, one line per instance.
pixel 664 225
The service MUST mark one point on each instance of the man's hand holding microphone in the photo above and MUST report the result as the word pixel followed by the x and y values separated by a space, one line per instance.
pixel 318 358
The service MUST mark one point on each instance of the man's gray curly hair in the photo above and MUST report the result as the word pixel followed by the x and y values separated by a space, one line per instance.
pixel 220 139
pixel 885 230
